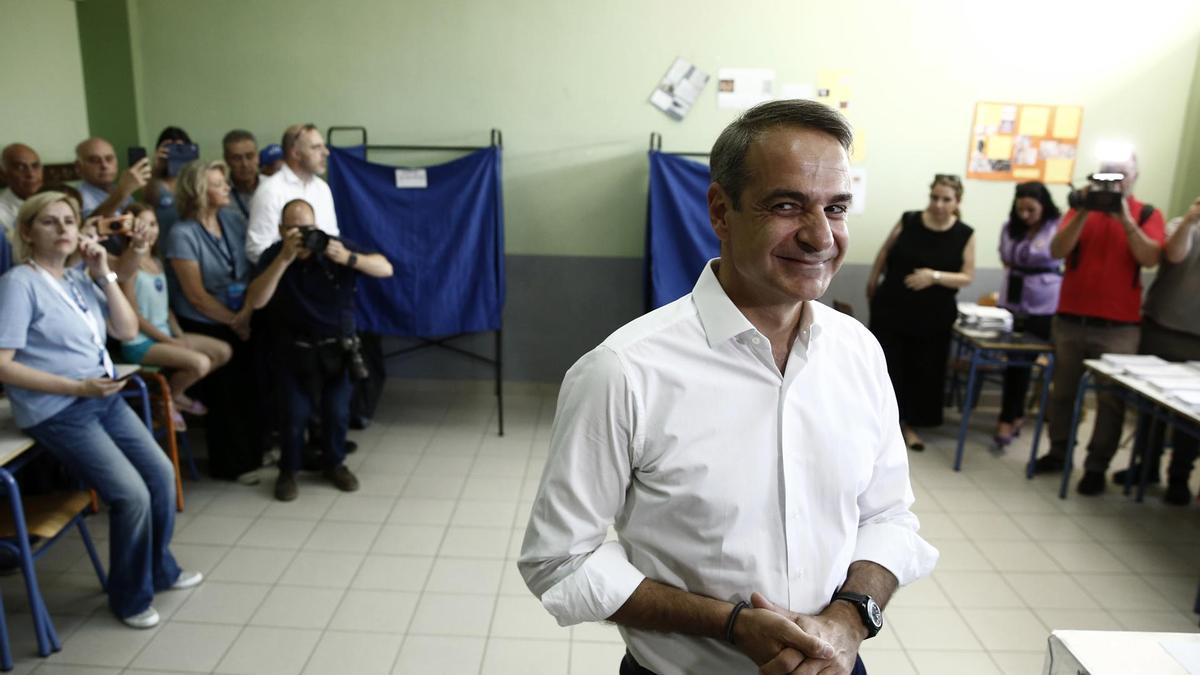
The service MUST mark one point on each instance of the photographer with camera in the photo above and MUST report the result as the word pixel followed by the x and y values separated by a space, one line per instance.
pixel 309 279
pixel 1108 237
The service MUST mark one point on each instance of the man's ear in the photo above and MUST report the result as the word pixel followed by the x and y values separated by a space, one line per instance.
pixel 719 206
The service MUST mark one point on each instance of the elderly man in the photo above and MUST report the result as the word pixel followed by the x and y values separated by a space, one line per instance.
pixel 22 171
pixel 1099 309
pixel 304 155
pixel 241 154
pixel 102 193
pixel 743 441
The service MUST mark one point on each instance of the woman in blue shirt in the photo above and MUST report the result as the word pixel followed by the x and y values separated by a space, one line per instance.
pixel 58 375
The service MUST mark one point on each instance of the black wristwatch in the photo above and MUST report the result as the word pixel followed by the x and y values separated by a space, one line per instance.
pixel 868 610
pixel 352 261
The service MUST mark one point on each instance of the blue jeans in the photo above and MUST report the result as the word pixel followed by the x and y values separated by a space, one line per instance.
pixel 305 392
pixel 110 449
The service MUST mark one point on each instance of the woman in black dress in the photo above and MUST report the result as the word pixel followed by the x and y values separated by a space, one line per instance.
pixel 927 257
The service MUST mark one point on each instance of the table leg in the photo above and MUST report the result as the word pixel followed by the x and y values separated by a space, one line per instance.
pixel 1156 432
pixel 1069 459
pixel 1047 376
pixel 968 404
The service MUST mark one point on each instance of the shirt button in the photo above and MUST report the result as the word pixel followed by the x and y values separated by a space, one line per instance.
pixel 756 340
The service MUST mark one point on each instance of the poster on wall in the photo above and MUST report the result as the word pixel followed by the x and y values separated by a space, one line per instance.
pixel 1023 142
pixel 858 189
pixel 679 89
pixel 742 88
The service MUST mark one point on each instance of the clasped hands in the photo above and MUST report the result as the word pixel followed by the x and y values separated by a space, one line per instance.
pixel 781 641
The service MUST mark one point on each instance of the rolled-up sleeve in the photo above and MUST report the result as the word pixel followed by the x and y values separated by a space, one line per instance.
pixel 887 530
pixel 564 559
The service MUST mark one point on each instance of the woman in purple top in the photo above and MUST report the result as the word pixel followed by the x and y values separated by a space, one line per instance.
pixel 1032 278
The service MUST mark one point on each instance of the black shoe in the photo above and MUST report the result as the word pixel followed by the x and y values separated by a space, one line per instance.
pixel 359 422
pixel 341 478
pixel 285 486
pixel 351 446
pixel 1091 484
pixel 1048 464
pixel 1118 478
pixel 1178 493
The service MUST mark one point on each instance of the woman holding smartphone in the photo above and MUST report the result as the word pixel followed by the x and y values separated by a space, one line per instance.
pixel 58 375
pixel 160 192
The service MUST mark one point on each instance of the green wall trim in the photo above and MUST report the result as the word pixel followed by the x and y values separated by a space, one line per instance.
pixel 1187 171
pixel 108 72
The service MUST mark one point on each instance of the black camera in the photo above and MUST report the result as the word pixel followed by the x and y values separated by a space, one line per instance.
pixel 315 240
pixel 1102 194
pixel 352 346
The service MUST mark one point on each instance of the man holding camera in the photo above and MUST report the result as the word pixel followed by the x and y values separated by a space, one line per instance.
pixel 309 279
pixel 1107 237
pixel 103 194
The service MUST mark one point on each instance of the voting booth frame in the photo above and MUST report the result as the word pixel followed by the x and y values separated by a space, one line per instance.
pixel 443 342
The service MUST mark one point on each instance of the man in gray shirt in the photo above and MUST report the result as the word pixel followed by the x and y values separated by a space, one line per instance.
pixel 1171 330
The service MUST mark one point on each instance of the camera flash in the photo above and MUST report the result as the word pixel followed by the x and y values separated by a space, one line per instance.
pixel 1111 151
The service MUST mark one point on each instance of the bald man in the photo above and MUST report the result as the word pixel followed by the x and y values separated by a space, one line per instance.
pixel 103 194
pixel 22 171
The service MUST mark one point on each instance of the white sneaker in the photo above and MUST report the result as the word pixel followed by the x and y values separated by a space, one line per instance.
pixel 187 579
pixel 146 619
pixel 251 477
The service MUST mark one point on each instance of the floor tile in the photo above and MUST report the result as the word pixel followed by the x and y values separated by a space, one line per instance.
pixel 1051 527
pixel 1017 556
pixel 326 570
pixel 253 565
pixel 962 556
pixel 419 511
pixel 408 539
pixel 924 592
pixel 596 631
pixel 978 590
pixel 1077 619
pixel 434 487
pixel 286 533
pixel 424 654
pixel 1156 621
pixel 1007 629
pixel 453 614
pixel 465 575
pixel 393 573
pixel 1122 592
pixel 524 617
pixel 205 529
pixel 596 658
pixel 269 651
pixel 360 509
pixel 989 526
pixel 310 505
pixel 342 537
pixel 375 611
pixel 1019 663
pixel 475 542
pixel 932 629
pixel 1076 556
pixel 1050 590
pixel 187 647
pixel 357 653
pixel 104 641
pixel 953 662
pixel 506 656
pixel 889 661
pixel 471 513
pixel 297 607
pixel 219 602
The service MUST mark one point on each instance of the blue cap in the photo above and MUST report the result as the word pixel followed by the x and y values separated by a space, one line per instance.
pixel 270 154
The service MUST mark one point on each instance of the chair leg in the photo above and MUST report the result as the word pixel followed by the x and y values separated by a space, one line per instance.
pixel 6 662
pixel 91 551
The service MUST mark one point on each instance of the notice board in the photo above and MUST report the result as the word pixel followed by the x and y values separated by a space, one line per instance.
pixel 1023 142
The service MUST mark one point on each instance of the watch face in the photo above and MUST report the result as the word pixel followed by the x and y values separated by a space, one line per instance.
pixel 875 613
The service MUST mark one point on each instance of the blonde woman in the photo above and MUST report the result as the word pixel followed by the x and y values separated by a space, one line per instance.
pixel 58 375
pixel 206 250
pixel 160 340
pixel 928 256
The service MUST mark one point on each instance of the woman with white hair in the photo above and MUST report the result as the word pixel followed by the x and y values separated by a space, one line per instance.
pixel 59 377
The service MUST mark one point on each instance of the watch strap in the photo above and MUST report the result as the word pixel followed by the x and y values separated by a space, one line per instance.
pixel 352 261
pixel 863 604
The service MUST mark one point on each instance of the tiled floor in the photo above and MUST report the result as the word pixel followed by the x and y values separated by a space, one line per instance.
pixel 415 573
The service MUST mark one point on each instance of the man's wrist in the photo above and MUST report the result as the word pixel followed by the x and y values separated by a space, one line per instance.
pixel 845 613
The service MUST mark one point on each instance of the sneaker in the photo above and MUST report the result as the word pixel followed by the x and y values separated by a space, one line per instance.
pixel 1048 464
pixel 187 579
pixel 1119 477
pixel 251 477
pixel 144 619
pixel 341 478
pixel 285 486
pixel 1091 484
pixel 1178 493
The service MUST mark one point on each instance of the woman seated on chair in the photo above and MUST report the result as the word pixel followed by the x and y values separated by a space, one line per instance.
pixel 160 341
pixel 59 377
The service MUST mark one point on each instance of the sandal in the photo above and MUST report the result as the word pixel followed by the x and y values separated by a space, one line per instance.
pixel 180 423
pixel 191 406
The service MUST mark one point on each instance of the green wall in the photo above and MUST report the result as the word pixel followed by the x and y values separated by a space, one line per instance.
pixel 41 78
pixel 568 82
pixel 108 68
pixel 1187 176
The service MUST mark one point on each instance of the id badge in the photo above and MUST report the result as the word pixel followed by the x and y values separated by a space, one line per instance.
pixel 235 296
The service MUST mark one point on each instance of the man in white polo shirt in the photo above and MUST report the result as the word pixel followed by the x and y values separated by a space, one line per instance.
pixel 304 156
pixel 743 441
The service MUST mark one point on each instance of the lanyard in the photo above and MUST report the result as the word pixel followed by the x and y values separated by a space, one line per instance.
pixel 226 251
pixel 241 205
pixel 79 304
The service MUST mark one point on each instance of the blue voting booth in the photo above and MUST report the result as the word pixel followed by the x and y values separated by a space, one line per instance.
pixel 679 238
pixel 442 228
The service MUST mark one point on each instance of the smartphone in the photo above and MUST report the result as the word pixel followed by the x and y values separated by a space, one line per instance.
pixel 179 155
pixel 136 154
pixel 110 225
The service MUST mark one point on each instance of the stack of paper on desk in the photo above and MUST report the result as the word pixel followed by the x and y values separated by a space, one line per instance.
pixel 1131 359
pixel 971 315
pixel 1177 370
pixel 1190 398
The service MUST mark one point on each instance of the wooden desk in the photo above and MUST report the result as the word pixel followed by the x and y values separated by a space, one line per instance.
pixel 13 442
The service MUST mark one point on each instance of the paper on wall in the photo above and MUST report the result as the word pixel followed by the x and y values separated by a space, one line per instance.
pixel 741 88
pixel 411 179
pixel 1066 121
pixel 679 89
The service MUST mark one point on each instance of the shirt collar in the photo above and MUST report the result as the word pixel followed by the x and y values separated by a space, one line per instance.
pixel 722 320
pixel 10 197
pixel 290 176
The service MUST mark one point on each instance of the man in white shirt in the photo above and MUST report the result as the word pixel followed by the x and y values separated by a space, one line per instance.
pixel 304 155
pixel 743 441
pixel 103 194
pixel 22 171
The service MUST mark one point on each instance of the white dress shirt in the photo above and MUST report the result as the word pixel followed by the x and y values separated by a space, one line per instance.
pixel 272 194
pixel 10 204
pixel 720 476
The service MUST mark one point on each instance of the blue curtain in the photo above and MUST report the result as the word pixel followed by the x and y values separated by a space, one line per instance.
pixel 445 243
pixel 6 260
pixel 679 238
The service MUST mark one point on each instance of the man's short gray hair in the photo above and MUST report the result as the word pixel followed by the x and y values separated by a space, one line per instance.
pixel 236 136
pixel 727 162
